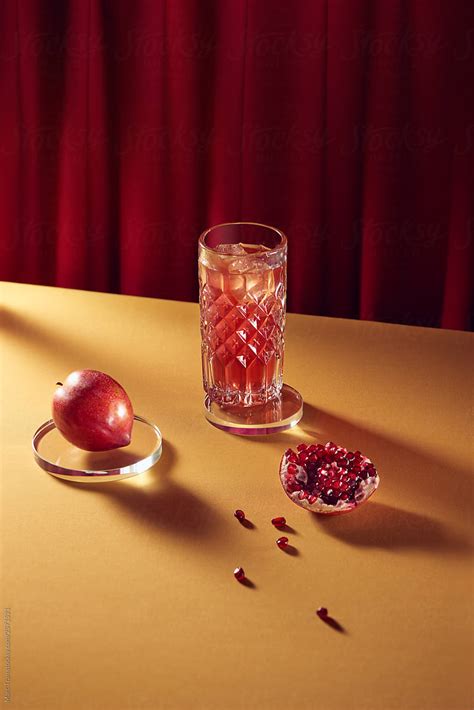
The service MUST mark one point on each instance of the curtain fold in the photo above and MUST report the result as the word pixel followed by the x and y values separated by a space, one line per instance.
pixel 128 126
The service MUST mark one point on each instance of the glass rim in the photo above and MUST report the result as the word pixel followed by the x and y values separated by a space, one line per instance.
pixel 97 474
pixel 275 250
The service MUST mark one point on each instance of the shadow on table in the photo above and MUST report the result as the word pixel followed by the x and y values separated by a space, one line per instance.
pixel 26 329
pixel 155 500
pixel 412 473
pixel 408 471
pixel 380 525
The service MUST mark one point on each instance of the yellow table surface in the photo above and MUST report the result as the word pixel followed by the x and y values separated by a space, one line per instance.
pixel 122 594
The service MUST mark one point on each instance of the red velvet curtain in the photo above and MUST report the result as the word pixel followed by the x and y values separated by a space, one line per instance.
pixel 127 126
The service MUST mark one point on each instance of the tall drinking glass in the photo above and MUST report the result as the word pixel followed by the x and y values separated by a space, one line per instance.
pixel 242 286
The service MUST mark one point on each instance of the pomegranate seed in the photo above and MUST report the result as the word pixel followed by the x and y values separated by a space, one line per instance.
pixel 240 515
pixel 292 458
pixel 288 452
pixel 279 522
pixel 282 543
pixel 322 612
pixel 312 499
pixel 301 447
pixel 239 574
pixel 292 469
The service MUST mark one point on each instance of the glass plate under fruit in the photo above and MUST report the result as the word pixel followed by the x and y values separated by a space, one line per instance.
pixel 57 456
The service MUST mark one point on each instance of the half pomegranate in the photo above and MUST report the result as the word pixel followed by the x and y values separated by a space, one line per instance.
pixel 326 478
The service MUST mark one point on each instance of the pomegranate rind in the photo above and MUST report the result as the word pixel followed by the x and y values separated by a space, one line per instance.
pixel 364 490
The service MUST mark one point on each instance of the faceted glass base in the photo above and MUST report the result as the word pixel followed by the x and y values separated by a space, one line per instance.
pixel 57 456
pixel 277 415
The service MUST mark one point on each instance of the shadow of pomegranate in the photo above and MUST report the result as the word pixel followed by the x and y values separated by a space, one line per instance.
pixel 380 525
pixel 160 503
pixel 169 507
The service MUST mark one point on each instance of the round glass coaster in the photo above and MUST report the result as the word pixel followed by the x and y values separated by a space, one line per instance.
pixel 270 418
pixel 64 460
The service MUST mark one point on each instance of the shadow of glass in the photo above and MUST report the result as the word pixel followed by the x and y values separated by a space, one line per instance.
pixel 379 525
pixel 402 467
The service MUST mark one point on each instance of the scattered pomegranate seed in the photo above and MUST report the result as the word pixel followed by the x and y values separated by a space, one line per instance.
pixel 240 515
pixel 279 522
pixel 322 612
pixel 239 574
pixel 282 543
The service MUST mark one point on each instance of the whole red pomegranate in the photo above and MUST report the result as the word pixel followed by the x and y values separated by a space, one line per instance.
pixel 327 478
pixel 92 411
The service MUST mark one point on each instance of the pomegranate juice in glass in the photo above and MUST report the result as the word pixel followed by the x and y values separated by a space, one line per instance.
pixel 242 287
